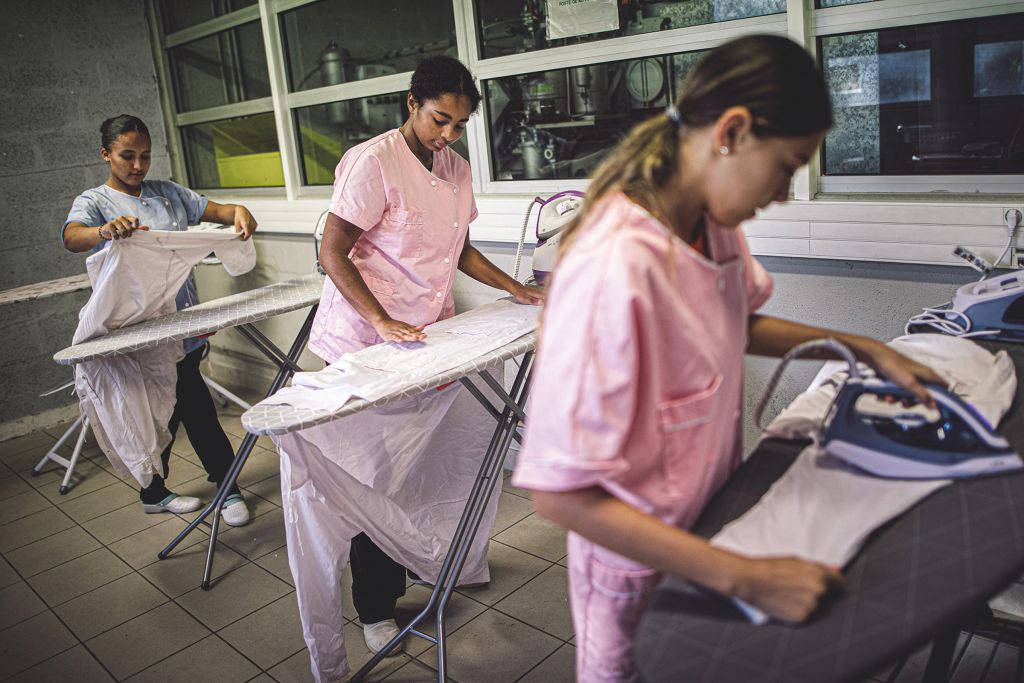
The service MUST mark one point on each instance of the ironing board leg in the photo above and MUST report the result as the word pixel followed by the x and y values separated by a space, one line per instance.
pixel 941 656
pixel 38 469
pixel 285 370
pixel 469 523
pixel 75 454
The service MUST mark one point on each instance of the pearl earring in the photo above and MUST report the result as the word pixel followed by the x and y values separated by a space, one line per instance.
pixel 723 150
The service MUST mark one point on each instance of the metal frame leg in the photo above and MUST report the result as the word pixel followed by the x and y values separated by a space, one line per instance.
pixel 83 423
pixel 285 370
pixel 469 523
pixel 224 395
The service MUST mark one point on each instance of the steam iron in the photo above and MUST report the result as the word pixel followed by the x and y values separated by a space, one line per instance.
pixel 554 214
pixel 995 304
pixel 879 427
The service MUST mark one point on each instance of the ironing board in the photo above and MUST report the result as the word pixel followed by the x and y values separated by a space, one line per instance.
pixel 280 419
pixel 237 310
pixel 915 581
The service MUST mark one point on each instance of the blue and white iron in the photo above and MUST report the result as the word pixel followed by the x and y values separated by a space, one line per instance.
pixel 881 428
pixel 555 213
pixel 995 305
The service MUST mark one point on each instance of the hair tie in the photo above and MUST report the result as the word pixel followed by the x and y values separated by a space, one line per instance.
pixel 673 115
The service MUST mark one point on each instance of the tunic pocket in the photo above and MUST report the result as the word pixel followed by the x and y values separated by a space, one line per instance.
pixel 401 233
pixel 689 439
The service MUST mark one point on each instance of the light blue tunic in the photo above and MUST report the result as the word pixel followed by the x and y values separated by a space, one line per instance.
pixel 162 205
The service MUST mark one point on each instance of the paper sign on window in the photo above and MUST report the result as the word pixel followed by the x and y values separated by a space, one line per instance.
pixel 568 18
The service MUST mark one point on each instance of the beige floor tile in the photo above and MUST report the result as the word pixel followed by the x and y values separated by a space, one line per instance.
pixel 122 523
pixel 145 640
pixel 558 668
pixel 268 489
pixel 543 603
pixel 269 635
pixel 506 485
pixel 232 424
pixel 97 503
pixel 28 443
pixel 110 605
pixel 181 471
pixel 140 549
pixel 414 672
pixel 22 505
pixel 51 551
pixel 262 535
pixel 262 678
pixel 211 659
pixel 33 528
pixel 32 641
pixel 495 648
pixel 460 611
pixel 233 596
pixel 87 479
pixel 511 510
pixel 276 563
pixel 7 574
pixel 11 484
pixel 536 536
pixel 78 576
pixel 183 569
pixel 75 665
pixel 261 464
pixel 18 602
pixel 510 569
pixel 296 669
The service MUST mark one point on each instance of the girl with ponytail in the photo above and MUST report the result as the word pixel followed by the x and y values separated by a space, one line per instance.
pixel 650 311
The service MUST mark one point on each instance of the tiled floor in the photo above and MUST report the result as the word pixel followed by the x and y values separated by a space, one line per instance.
pixel 83 597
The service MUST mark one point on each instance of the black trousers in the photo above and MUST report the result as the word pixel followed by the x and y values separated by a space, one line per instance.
pixel 377 581
pixel 194 409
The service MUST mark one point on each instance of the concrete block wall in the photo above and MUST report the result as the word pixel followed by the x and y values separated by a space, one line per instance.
pixel 65 66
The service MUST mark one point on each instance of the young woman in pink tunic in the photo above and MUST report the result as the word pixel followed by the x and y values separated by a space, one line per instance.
pixel 640 366
pixel 397 230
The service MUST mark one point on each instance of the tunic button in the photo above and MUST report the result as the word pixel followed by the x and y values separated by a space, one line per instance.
pixel 455 190
pixel 144 203
pixel 455 225
pixel 447 260
pixel 438 295
pixel 433 183
pixel 175 223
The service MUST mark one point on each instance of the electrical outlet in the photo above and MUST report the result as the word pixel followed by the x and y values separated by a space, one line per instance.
pixel 1010 213
pixel 1008 210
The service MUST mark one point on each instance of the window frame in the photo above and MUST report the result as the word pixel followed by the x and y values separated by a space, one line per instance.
pixel 801 22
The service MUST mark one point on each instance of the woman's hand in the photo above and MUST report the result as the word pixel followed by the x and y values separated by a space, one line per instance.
pixel 244 222
pixel 786 588
pixel 390 329
pixel 900 370
pixel 532 296
pixel 121 227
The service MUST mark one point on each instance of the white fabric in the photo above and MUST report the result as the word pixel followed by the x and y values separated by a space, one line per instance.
pixel 129 398
pixel 402 474
pixel 987 381
pixel 375 371
pixel 822 509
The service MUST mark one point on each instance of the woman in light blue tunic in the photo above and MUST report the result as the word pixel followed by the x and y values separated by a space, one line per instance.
pixel 127 202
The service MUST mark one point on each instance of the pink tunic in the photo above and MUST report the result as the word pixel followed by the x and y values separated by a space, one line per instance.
pixel 637 389
pixel 415 224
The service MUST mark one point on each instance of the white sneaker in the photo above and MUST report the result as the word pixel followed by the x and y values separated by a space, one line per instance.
pixel 179 505
pixel 379 634
pixel 235 512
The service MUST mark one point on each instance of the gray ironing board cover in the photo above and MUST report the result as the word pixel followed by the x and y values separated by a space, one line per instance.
pixel 229 311
pixel 281 419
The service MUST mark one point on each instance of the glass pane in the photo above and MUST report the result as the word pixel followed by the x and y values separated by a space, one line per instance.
pixel 179 14
pixel 327 131
pixel 560 124
pixel 220 69
pixel 338 41
pixel 836 3
pixel 240 152
pixel 935 99
pixel 511 26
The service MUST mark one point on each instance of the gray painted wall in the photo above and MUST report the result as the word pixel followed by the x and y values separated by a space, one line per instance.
pixel 65 65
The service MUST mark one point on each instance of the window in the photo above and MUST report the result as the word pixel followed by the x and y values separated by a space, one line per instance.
pixel 936 99
pixel 339 41
pixel 561 123
pixel 182 14
pixel 224 68
pixel 511 26
pixel 239 152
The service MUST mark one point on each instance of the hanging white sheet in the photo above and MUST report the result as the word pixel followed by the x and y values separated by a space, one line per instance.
pixel 129 398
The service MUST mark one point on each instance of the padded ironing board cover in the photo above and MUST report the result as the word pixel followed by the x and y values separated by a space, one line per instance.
pixel 129 398
pixel 400 472
pixel 823 509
